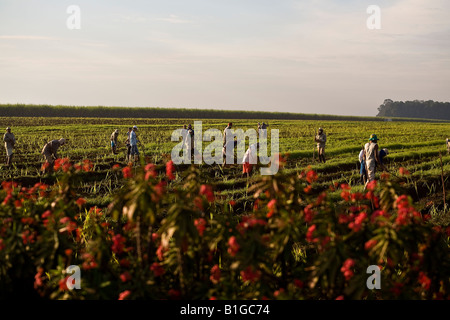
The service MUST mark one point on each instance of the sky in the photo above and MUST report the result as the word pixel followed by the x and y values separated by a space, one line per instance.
pixel 300 56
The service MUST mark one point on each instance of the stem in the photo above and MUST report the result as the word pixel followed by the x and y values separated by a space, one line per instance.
pixel 442 177
pixel 138 238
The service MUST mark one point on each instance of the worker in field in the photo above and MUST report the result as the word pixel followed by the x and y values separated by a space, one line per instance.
pixel 227 145
pixel 447 142
pixel 263 130
pixel 114 137
pixel 128 145
pixel 381 155
pixel 250 159
pixel 10 141
pixel 371 157
pixel 184 132
pixel 227 133
pixel 189 140
pixel 134 152
pixel 50 151
pixel 362 168
pixel 321 139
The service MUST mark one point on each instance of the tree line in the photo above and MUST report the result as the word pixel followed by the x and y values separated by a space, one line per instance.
pixel 415 109
pixel 27 110
pixel 389 110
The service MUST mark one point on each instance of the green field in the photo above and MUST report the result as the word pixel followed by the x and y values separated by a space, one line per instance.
pixel 413 145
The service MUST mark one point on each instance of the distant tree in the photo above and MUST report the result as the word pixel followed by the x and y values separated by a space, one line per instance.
pixel 415 109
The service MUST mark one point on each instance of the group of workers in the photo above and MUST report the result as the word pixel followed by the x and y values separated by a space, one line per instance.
pixel 369 157
pixel 131 143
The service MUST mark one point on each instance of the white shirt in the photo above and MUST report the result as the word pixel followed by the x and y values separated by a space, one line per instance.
pixel 361 156
pixel 251 155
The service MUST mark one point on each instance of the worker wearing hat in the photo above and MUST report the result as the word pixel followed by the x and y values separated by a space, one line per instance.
pixel 10 141
pixel 371 157
pixel 263 130
pixel 114 137
pixel 321 139
pixel 50 151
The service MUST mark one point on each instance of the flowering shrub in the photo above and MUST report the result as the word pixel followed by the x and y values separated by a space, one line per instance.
pixel 166 237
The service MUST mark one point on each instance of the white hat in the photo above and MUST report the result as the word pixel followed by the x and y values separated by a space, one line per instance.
pixel 62 141
pixel 386 151
pixel 135 127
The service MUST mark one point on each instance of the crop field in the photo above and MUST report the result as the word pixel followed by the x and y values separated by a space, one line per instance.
pixel 154 230
pixel 415 146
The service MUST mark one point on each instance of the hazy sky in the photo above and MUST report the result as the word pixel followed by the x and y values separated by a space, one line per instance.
pixel 313 56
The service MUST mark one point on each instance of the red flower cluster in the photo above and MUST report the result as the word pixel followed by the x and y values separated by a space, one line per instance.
pixel 310 234
pixel 127 172
pixel 150 171
pixel 118 243
pixel 160 252
pixel 39 278
pixel 63 164
pixel 249 222
pixel 9 187
pixel 157 269
pixel 125 294
pixel 215 274
pixel 309 213
pixel 233 246
pixel 311 176
pixel 346 268
pixel 63 284
pixel 378 214
pixel 345 194
pixel 249 274
pixel 405 211
pixel 88 261
pixel 206 190
pixel 80 202
pixel 272 205
pixel 357 223
pixel 126 276
pixel 85 166
pixel 370 244
pixel 69 225
pixel 371 185
pixel 200 224
pixel 424 281
pixel 28 237
pixel 170 169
